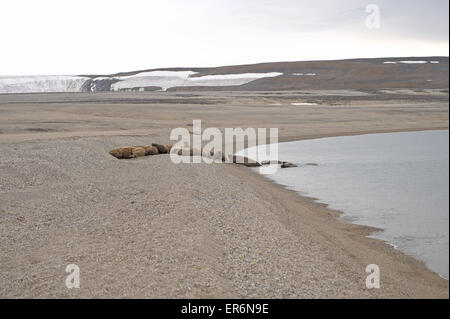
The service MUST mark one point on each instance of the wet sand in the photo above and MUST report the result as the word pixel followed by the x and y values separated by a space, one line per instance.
pixel 149 228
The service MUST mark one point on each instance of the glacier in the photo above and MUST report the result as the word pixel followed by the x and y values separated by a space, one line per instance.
pixel 41 84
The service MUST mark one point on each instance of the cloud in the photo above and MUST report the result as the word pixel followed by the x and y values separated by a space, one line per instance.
pixel 412 18
pixel 107 36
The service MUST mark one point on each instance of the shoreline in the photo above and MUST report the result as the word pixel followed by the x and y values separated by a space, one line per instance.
pixel 417 269
pixel 362 230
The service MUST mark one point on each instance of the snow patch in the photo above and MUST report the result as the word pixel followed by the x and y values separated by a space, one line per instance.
pixel 414 62
pixel 168 79
pixel 163 79
pixel 304 104
pixel 411 62
pixel 304 74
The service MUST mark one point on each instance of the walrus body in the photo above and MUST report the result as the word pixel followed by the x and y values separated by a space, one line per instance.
pixel 169 147
pixel 288 165
pixel 191 151
pixel 138 151
pixel 124 152
pixel 151 150
pixel 271 162
pixel 162 149
pixel 117 153
pixel 155 149
pixel 245 161
pixel 131 152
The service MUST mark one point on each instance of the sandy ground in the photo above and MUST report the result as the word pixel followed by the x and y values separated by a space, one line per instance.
pixel 149 228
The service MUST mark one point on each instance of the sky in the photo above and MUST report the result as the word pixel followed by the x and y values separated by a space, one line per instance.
pixel 48 37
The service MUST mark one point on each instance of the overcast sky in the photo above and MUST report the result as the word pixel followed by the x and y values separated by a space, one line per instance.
pixel 109 36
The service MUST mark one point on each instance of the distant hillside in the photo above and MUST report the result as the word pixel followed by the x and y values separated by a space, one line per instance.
pixel 423 72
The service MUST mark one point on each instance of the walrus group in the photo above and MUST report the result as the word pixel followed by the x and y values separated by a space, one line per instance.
pixel 140 151
pixel 129 152
pixel 157 149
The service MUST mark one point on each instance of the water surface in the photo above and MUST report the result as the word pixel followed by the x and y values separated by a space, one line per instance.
pixel 398 182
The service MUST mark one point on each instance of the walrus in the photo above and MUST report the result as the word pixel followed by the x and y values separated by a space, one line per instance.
pixel 162 149
pixel 217 155
pixel 138 151
pixel 191 151
pixel 124 152
pixel 117 153
pixel 151 150
pixel 127 152
pixel 245 161
pixel 271 162
pixel 288 165
pixel 169 147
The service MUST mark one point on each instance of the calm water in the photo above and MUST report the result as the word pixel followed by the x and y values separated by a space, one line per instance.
pixel 398 182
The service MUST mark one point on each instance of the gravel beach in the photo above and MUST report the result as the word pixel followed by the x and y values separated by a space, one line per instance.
pixel 148 228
